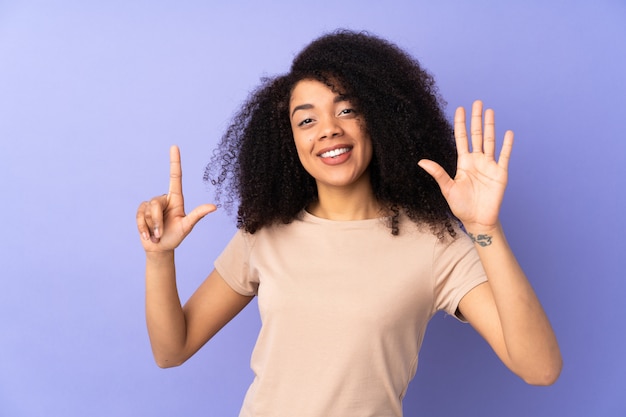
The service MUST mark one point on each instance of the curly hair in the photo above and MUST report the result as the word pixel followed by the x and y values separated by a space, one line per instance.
pixel 256 163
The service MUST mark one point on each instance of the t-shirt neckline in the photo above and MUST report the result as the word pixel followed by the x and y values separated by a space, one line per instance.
pixel 308 217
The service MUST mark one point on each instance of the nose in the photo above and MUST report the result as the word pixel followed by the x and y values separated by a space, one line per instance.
pixel 330 129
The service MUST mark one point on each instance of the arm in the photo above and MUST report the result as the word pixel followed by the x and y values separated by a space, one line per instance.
pixel 175 332
pixel 504 310
pixel 507 313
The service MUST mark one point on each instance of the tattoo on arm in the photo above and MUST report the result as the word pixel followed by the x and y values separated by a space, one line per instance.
pixel 482 240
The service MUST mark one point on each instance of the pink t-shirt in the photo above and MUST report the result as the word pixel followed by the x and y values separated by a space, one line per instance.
pixel 344 306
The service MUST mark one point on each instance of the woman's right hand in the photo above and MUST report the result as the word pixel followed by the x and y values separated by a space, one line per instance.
pixel 162 221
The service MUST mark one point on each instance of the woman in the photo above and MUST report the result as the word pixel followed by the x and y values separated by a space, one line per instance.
pixel 350 195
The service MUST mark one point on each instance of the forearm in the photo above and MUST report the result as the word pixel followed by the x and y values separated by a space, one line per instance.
pixel 164 314
pixel 529 340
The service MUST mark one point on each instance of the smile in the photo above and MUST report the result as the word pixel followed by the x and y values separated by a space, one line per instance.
pixel 334 153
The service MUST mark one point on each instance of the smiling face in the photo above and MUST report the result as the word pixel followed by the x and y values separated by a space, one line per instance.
pixel 330 136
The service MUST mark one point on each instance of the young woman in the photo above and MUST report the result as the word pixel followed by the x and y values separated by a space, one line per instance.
pixel 360 216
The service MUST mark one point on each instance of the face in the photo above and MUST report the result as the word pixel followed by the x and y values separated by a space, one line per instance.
pixel 330 136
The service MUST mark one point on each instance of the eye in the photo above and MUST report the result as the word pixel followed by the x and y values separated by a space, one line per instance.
pixel 305 122
pixel 347 112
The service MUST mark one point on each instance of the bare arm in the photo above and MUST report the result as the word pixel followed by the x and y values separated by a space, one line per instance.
pixel 175 332
pixel 507 313
pixel 504 310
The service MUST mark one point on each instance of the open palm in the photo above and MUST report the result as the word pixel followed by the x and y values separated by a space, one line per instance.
pixel 476 192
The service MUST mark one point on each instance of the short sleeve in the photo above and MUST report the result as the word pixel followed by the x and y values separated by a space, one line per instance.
pixel 457 270
pixel 233 264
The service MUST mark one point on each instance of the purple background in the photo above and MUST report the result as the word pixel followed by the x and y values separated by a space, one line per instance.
pixel 92 94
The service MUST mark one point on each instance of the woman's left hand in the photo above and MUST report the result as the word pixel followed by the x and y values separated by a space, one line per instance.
pixel 476 192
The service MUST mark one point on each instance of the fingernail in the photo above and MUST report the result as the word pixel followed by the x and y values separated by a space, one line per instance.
pixel 145 236
pixel 157 232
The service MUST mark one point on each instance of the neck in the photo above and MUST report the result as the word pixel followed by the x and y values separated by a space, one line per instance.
pixel 356 202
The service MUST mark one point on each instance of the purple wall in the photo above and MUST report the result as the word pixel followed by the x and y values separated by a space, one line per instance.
pixel 92 95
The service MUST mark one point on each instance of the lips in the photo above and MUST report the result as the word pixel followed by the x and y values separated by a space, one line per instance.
pixel 335 155
pixel 335 151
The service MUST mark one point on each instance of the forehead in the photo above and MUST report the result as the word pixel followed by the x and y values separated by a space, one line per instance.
pixel 311 90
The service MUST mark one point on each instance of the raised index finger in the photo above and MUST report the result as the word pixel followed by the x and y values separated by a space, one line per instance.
pixel 176 173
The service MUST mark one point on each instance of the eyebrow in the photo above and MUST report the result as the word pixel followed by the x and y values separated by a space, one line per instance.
pixel 337 99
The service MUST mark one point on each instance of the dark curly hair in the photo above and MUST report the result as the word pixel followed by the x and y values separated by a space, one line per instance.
pixel 256 163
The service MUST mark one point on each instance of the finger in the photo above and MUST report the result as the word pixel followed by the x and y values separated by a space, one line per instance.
pixel 154 215
pixel 507 148
pixel 438 173
pixel 149 223
pixel 489 143
pixel 460 131
pixel 141 221
pixel 476 128
pixel 176 175
pixel 196 215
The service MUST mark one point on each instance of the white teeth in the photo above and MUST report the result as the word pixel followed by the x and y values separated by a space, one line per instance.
pixel 334 153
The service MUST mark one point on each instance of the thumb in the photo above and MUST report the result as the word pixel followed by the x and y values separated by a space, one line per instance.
pixel 195 215
pixel 437 172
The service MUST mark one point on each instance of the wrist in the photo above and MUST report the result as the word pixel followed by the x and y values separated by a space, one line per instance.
pixel 483 235
pixel 160 257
